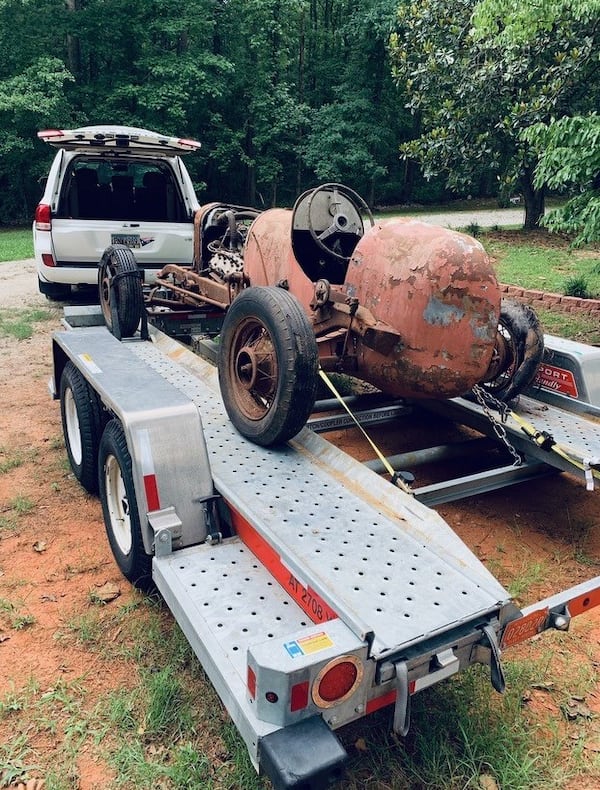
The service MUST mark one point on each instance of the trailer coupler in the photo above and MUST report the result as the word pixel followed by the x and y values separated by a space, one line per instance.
pixel 303 756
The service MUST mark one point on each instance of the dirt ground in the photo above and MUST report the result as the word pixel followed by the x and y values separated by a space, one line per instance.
pixel 541 536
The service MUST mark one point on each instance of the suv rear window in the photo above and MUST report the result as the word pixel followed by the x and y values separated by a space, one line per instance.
pixel 117 190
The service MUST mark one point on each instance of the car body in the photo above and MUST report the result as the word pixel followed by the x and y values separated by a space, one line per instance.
pixel 413 309
pixel 112 185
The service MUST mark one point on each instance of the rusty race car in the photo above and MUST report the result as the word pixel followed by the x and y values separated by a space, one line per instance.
pixel 413 309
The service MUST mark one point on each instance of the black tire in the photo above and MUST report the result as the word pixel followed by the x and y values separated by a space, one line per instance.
pixel 522 338
pixel 120 509
pixel 268 364
pixel 119 279
pixel 81 415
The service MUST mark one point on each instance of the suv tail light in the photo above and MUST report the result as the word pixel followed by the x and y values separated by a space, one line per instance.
pixel 43 217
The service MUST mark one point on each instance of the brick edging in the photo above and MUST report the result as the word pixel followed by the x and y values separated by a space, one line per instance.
pixel 542 299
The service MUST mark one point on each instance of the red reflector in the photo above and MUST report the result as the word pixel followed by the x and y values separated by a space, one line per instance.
pixel 47 259
pixel 43 217
pixel 299 697
pixel 337 681
pixel 251 681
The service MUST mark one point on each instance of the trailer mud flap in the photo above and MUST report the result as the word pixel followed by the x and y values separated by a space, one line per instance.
pixel 303 755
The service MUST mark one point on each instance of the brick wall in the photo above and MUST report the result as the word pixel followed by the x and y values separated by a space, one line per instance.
pixel 550 301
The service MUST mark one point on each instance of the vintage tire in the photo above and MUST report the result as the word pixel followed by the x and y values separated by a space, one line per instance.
pixel 81 415
pixel 268 364
pixel 120 509
pixel 119 273
pixel 524 344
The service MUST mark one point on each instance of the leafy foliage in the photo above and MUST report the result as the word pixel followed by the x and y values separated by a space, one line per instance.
pixel 475 87
pixel 570 158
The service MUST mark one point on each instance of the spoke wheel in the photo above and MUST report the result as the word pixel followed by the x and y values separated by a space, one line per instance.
pixel 82 425
pixel 120 509
pixel 120 291
pixel 267 365
pixel 518 353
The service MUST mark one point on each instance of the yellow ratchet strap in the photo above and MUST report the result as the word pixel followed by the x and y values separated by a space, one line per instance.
pixel 396 479
pixel 546 442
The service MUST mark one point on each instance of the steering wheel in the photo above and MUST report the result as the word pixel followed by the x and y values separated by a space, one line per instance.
pixel 345 209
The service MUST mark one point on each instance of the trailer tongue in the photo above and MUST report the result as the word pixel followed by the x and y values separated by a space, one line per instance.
pixel 312 590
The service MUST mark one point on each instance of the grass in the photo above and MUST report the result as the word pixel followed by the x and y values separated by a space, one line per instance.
pixel 546 263
pixel 20 324
pixel 164 726
pixel 16 244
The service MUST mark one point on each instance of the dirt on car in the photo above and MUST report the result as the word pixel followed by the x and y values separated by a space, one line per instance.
pixel 55 564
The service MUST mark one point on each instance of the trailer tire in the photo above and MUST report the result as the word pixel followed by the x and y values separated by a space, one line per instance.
pixel 119 279
pixel 81 415
pixel 120 509
pixel 524 339
pixel 268 362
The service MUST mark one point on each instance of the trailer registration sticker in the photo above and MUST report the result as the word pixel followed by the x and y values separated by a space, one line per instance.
pixel 306 645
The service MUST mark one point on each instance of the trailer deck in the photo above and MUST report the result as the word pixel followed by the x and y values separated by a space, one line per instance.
pixel 324 558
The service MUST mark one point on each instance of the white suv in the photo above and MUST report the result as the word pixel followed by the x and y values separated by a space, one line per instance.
pixel 112 185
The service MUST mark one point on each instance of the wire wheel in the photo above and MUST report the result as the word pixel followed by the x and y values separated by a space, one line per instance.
pixel 518 353
pixel 267 365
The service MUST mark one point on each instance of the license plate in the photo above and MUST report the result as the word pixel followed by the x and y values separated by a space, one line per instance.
pixel 127 239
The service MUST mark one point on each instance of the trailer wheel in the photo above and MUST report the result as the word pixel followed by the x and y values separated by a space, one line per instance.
pixel 81 416
pixel 119 507
pixel 267 365
pixel 519 351
pixel 119 281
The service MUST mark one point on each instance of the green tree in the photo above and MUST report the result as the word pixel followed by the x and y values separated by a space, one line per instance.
pixel 568 147
pixel 354 133
pixel 28 101
pixel 474 93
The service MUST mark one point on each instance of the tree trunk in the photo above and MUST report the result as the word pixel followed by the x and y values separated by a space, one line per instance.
pixel 73 43
pixel 534 200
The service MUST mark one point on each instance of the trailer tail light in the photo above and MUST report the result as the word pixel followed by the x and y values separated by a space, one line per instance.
pixel 337 681
pixel 43 217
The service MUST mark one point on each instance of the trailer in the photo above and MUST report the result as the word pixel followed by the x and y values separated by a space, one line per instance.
pixel 312 590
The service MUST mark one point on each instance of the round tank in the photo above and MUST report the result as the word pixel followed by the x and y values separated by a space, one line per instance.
pixel 438 290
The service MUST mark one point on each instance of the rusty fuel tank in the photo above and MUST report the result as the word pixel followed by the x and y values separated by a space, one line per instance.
pixel 438 290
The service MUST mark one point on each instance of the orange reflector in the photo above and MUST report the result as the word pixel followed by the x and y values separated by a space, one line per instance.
pixel 337 681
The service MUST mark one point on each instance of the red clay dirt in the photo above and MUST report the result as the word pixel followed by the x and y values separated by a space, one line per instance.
pixel 54 557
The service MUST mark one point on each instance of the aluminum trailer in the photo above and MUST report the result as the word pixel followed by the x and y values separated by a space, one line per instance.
pixel 312 590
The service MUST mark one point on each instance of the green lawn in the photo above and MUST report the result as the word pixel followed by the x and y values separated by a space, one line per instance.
pixel 545 263
pixel 16 244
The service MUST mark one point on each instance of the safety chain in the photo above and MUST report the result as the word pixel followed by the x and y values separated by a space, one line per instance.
pixel 485 400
